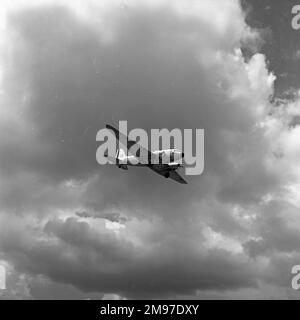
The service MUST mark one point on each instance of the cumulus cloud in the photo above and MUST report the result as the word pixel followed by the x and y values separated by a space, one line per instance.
pixel 67 70
pixel 110 216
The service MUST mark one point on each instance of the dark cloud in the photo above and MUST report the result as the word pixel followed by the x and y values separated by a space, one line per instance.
pixel 275 235
pixel 89 228
pixel 98 261
pixel 112 216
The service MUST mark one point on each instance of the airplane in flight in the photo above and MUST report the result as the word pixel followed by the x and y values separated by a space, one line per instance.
pixel 167 170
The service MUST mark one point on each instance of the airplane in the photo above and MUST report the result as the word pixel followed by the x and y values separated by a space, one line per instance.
pixel 167 170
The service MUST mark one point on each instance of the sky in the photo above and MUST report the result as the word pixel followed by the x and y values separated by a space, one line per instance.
pixel 72 229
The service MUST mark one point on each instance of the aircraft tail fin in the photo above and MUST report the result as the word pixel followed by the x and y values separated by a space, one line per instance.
pixel 120 136
pixel 130 143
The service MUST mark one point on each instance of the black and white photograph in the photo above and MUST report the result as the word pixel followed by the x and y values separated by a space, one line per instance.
pixel 149 150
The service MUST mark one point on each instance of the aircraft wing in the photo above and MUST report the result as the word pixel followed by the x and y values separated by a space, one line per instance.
pixel 162 169
pixel 130 143
pixel 177 177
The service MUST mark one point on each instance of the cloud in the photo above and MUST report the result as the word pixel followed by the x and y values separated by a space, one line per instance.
pixel 67 70
pixel 110 216
pixel 74 252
